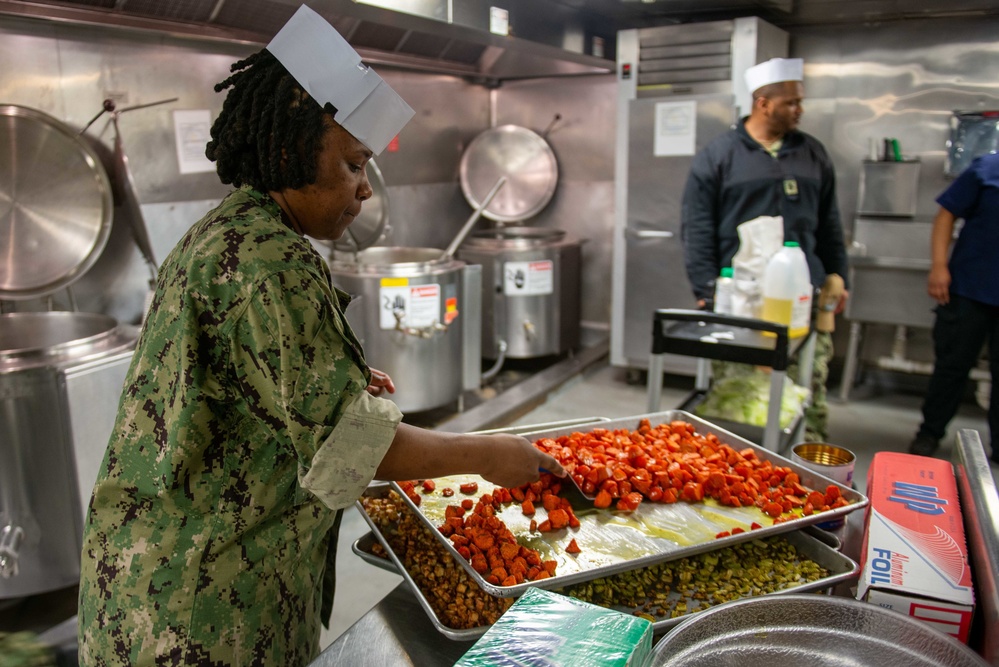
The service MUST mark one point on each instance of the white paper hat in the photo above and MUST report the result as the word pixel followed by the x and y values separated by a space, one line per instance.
pixel 774 70
pixel 326 66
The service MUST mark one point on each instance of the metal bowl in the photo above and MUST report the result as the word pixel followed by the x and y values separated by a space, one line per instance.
pixel 813 630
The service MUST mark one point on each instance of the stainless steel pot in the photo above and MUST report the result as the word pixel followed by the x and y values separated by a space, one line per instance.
pixel 60 380
pixel 814 630
pixel 416 320
pixel 530 290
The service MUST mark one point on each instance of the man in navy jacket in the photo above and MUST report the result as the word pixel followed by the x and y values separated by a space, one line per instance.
pixel 766 167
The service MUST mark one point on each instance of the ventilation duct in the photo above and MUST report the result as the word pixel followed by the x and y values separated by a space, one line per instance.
pixel 436 38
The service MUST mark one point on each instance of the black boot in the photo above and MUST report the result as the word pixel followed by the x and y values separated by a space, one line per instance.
pixel 924 445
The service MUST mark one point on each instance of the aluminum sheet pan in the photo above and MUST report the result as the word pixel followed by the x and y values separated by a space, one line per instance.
pixel 380 490
pixel 840 567
pixel 363 547
pixel 612 541
pixel 813 630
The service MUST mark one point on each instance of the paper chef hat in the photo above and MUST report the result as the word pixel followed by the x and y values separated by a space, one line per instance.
pixel 326 66
pixel 774 70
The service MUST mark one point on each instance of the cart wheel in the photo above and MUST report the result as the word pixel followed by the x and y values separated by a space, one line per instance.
pixel 634 376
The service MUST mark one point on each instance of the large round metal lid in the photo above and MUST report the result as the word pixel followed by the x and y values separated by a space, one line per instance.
pixel 526 160
pixel 368 227
pixel 55 204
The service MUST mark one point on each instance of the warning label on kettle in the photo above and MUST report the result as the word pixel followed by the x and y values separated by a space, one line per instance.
pixel 410 306
pixel 528 278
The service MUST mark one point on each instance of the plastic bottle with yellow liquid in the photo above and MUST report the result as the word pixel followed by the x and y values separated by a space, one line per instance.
pixel 787 290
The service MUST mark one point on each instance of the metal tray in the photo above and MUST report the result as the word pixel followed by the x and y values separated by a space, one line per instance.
pixel 612 541
pixel 840 567
pixel 378 490
pixel 363 545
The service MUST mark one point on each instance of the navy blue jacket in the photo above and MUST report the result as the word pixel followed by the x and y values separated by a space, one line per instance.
pixel 734 180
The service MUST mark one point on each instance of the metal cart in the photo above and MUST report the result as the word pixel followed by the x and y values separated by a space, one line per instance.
pixel 711 336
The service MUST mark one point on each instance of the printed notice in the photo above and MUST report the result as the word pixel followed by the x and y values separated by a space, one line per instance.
pixel 528 278
pixel 410 306
pixel 499 21
pixel 192 131
pixel 676 128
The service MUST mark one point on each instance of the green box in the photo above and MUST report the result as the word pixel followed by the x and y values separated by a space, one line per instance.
pixel 545 628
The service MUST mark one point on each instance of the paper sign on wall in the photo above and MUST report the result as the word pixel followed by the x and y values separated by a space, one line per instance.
pixel 192 131
pixel 676 128
pixel 528 278
pixel 409 305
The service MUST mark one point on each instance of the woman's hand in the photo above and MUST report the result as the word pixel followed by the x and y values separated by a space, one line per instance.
pixel 512 461
pixel 504 459
pixel 380 383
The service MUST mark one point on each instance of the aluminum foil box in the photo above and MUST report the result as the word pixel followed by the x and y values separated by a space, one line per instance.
pixel 915 559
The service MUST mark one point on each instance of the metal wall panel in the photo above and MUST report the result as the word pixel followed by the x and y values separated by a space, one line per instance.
pixel 583 143
pixel 900 80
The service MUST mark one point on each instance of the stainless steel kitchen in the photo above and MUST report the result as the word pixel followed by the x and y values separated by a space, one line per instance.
pixel 522 272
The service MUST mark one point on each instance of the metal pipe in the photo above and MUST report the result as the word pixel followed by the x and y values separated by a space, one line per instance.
pixel 495 369
pixel 905 365
pixel 11 537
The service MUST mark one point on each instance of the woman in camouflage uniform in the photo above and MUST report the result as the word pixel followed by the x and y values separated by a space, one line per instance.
pixel 244 427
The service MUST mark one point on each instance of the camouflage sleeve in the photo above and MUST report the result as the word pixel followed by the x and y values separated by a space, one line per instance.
pixel 347 461
pixel 293 365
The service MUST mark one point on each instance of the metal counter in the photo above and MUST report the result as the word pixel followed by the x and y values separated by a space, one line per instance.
pixel 395 632
pixel 980 507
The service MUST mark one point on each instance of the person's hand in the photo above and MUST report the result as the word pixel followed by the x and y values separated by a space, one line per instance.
pixel 514 461
pixel 380 383
pixel 841 305
pixel 938 285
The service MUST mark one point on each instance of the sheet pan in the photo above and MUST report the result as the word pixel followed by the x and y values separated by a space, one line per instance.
pixel 612 541
pixel 840 569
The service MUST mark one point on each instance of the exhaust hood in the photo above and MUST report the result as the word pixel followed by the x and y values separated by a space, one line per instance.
pixel 431 36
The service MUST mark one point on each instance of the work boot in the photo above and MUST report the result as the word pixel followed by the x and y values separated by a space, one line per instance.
pixel 924 445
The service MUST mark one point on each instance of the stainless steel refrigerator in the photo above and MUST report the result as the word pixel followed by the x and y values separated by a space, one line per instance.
pixel 679 87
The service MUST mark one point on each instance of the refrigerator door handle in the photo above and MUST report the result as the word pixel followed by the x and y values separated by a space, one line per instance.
pixel 648 234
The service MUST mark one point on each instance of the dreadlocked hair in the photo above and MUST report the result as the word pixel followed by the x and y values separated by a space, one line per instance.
pixel 270 130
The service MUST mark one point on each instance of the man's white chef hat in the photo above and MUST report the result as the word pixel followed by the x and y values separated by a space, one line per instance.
pixel 774 70
pixel 331 71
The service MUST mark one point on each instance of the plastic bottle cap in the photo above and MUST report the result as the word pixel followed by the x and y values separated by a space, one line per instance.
pixel 790 244
pixel 727 272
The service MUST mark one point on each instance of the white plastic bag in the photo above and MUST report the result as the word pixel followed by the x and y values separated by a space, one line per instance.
pixel 759 239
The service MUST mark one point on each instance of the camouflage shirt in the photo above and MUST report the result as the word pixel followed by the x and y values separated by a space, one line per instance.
pixel 242 430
